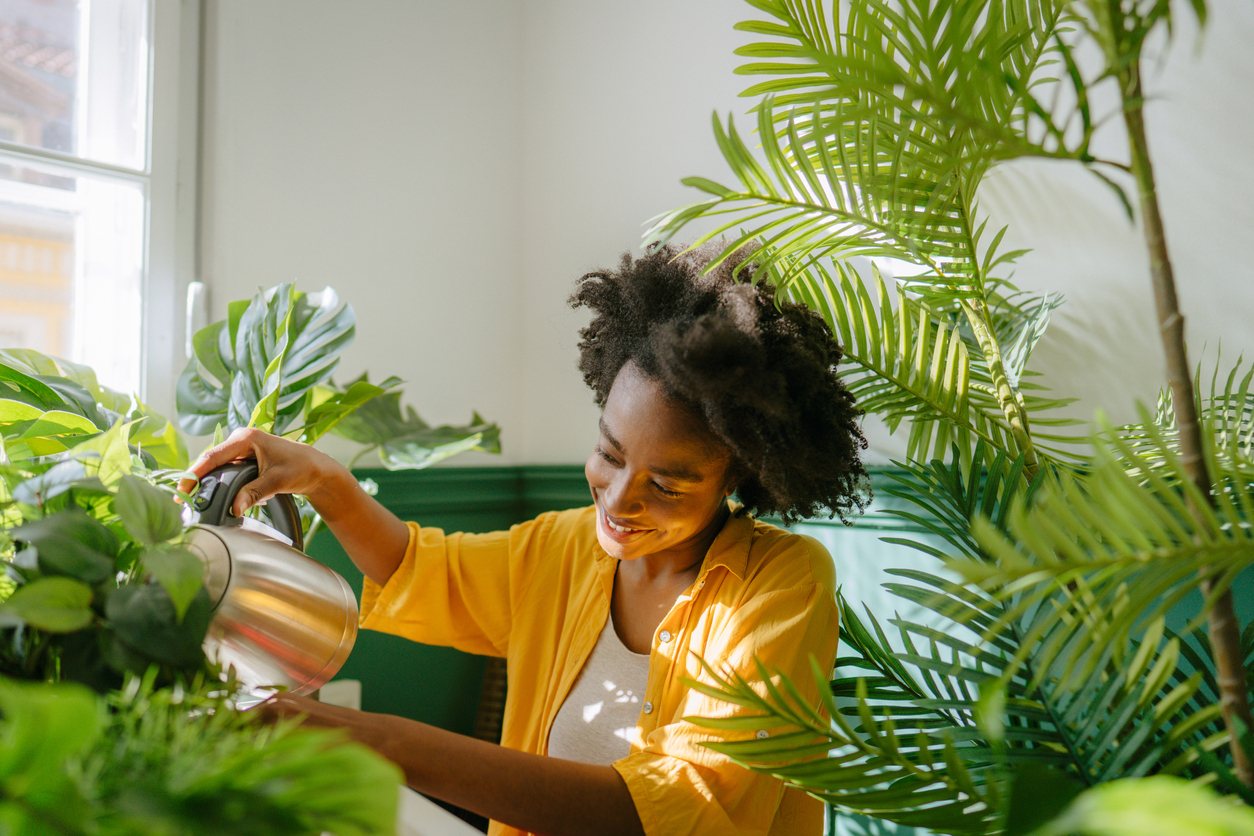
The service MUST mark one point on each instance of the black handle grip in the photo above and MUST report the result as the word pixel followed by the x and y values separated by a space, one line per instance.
pixel 219 488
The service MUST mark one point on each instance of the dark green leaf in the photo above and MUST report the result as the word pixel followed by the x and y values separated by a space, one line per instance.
pixel 145 620
pixel 1037 795
pixel 179 571
pixel 72 543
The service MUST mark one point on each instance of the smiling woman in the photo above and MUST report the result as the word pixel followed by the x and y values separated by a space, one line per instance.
pixel 607 614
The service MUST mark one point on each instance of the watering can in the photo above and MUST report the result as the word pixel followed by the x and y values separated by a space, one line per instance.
pixel 280 618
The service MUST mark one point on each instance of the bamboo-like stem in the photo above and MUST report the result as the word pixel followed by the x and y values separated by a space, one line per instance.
pixel 1007 396
pixel 1223 627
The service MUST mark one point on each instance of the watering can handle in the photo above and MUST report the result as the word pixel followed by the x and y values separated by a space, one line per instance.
pixel 219 487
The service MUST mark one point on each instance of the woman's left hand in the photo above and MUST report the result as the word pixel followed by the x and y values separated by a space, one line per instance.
pixel 363 726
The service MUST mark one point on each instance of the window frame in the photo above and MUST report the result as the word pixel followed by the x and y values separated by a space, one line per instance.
pixel 169 184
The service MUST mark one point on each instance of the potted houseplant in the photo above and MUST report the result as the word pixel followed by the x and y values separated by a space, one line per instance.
pixel 122 725
pixel 1058 677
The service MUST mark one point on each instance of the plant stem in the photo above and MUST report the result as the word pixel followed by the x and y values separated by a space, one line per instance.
pixel 1223 627
pixel 1007 395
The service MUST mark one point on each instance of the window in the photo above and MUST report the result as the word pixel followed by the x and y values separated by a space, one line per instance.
pixel 85 240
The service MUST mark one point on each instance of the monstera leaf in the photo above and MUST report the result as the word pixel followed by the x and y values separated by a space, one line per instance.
pixel 259 365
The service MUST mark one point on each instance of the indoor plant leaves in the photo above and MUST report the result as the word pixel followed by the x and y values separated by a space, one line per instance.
pixel 278 347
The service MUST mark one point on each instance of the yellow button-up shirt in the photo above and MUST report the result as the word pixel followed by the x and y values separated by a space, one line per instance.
pixel 539 595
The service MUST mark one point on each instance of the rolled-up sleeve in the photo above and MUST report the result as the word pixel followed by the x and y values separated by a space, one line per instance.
pixel 451 590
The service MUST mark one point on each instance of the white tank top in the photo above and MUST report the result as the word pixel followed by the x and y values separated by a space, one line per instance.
pixel 599 720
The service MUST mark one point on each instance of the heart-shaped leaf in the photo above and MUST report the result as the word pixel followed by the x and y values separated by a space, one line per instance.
pixel 179 571
pixel 145 619
pixel 149 514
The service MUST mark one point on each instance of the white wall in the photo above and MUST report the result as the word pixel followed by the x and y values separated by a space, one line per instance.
pixel 452 168
pixel 375 147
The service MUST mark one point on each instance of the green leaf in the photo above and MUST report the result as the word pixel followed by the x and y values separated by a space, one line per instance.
pixel 72 543
pixel 43 727
pixel 423 448
pixel 56 480
pixel 405 441
pixel 1157 806
pixel 262 363
pixel 145 619
pixel 149 514
pixel 332 407
pixel 54 604
pixel 108 455
pixel 1037 795
pixel 179 571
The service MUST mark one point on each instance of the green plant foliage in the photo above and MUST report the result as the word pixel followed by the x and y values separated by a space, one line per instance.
pixel 913 366
pixel 1047 666
pixel 1158 806
pixel 258 366
pixel 155 762
pixel 906 741
pixel 1112 552
pixel 49 405
pixel 67 615
pixel 405 441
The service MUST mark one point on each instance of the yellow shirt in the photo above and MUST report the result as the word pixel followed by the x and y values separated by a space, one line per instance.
pixel 539 595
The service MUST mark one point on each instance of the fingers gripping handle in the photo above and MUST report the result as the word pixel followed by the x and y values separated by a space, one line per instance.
pixel 217 492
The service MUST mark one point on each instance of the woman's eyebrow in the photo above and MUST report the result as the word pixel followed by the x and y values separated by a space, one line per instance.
pixel 679 474
pixel 605 431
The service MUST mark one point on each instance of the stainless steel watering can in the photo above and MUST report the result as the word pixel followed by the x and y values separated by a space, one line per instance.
pixel 280 618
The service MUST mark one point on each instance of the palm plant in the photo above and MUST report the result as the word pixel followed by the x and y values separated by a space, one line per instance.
pixel 878 121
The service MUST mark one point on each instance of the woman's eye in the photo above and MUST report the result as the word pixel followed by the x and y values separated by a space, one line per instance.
pixel 601 452
pixel 666 491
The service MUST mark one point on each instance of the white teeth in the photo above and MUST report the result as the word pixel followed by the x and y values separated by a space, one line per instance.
pixel 619 528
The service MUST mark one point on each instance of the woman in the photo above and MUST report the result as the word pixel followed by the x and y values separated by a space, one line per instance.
pixel 708 388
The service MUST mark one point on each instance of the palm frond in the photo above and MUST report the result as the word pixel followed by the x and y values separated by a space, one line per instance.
pixel 905 740
pixel 913 366
pixel 1112 553
pixel 1226 406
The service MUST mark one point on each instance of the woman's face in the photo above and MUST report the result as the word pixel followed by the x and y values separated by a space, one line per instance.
pixel 658 479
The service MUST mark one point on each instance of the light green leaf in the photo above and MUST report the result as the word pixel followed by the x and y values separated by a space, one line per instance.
pixel 108 455
pixel 54 604
pixel 1156 806
pixel 43 726
pixel 332 407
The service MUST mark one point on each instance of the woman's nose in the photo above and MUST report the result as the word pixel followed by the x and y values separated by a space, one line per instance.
pixel 620 497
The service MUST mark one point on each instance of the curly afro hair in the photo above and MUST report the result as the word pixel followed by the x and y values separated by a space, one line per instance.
pixel 761 375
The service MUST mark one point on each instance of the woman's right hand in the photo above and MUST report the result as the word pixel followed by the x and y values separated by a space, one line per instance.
pixel 285 467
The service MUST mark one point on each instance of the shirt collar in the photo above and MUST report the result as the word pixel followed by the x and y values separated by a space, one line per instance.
pixel 731 547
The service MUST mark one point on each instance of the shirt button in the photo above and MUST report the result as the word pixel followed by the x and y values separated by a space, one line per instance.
pixel 701 584
pixel 648 708
pixel 763 734
pixel 665 636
